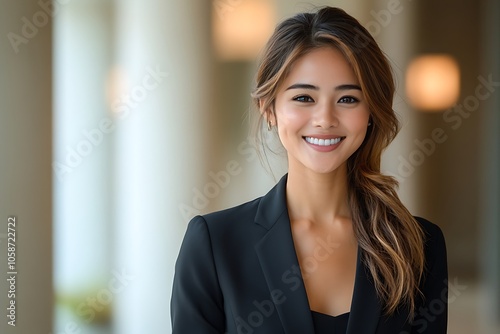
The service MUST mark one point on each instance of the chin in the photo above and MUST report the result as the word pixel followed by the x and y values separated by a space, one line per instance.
pixel 324 169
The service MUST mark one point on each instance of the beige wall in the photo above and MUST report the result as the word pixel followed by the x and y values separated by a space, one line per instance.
pixel 449 177
pixel 25 167
pixel 489 199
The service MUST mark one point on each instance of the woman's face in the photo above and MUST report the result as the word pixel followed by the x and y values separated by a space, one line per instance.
pixel 321 114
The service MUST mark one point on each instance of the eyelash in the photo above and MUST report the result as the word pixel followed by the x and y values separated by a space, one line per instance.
pixel 352 99
pixel 305 98
pixel 301 98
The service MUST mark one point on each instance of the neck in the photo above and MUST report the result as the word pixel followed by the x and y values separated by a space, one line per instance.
pixel 318 198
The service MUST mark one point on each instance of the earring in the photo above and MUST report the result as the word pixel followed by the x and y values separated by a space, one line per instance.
pixel 269 125
pixel 369 123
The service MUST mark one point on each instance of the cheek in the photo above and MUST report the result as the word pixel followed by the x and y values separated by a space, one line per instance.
pixel 289 125
pixel 359 121
pixel 287 116
pixel 290 120
pixel 361 125
pixel 357 126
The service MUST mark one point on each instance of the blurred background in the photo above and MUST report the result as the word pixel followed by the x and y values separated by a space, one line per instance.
pixel 120 120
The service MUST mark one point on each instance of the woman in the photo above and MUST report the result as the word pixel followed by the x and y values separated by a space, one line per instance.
pixel 330 249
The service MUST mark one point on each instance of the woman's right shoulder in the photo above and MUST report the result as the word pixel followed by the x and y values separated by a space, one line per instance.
pixel 226 233
pixel 236 216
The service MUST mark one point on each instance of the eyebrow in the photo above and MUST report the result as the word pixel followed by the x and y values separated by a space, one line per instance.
pixel 309 86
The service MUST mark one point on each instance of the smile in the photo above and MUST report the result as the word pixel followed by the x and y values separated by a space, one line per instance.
pixel 323 142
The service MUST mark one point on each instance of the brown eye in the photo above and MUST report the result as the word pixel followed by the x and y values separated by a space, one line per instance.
pixel 303 98
pixel 348 99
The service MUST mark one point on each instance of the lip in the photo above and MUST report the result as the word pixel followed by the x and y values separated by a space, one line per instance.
pixel 320 148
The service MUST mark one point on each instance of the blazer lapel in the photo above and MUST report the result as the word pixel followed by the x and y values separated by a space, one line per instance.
pixel 279 263
pixel 365 305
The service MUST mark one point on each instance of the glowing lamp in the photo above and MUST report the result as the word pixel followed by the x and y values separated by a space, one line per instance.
pixel 433 82
pixel 241 28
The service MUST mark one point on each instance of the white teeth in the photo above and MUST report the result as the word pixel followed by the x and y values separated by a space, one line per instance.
pixel 323 142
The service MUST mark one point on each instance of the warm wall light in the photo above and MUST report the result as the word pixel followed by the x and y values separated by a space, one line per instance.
pixel 116 85
pixel 241 28
pixel 433 82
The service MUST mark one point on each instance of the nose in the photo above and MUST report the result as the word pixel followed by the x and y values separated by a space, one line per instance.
pixel 325 116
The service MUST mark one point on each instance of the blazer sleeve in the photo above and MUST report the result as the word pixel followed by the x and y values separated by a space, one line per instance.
pixel 432 315
pixel 197 302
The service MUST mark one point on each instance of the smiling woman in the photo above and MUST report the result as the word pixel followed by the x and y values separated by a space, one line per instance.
pixel 331 248
pixel 320 108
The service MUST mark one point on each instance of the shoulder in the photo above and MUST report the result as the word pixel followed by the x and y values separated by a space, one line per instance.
pixel 230 220
pixel 227 226
pixel 431 312
pixel 433 235
pixel 218 229
pixel 245 211
pixel 434 249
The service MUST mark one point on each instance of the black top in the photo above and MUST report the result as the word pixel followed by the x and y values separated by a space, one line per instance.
pixel 327 324
pixel 238 272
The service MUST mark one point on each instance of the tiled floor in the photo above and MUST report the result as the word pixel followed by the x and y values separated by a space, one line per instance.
pixel 467 313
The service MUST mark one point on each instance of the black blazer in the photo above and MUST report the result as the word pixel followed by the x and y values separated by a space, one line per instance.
pixel 237 272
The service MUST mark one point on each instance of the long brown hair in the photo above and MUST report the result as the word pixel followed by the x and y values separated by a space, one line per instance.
pixel 389 236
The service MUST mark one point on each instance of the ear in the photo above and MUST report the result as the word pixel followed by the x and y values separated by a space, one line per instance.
pixel 266 112
pixel 262 109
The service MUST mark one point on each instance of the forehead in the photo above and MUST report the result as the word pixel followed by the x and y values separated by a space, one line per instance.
pixel 322 66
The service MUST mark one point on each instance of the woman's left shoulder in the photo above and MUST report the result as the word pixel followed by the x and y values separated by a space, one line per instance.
pixel 431 314
pixel 431 230
pixel 434 241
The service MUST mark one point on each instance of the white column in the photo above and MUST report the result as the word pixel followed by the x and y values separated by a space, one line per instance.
pixel 82 147
pixel 163 57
